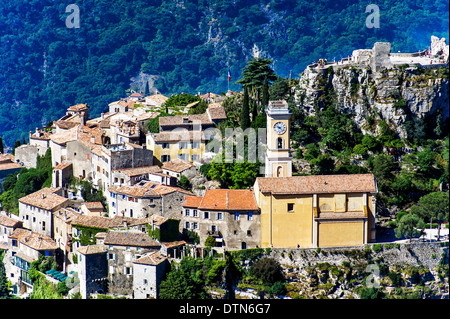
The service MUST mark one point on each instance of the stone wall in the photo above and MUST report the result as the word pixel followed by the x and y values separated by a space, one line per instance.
pixel 416 254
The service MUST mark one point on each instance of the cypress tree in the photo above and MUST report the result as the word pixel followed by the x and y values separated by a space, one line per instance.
pixel 4 291
pixel 265 94
pixel 2 150
pixel 245 112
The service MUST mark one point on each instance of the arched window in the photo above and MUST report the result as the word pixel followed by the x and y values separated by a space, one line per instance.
pixel 279 142
pixel 279 171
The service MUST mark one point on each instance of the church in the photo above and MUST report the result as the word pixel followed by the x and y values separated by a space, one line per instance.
pixel 309 211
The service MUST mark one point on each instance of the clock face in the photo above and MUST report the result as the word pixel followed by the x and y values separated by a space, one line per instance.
pixel 279 127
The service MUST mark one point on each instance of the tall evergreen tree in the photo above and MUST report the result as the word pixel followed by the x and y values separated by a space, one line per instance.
pixel 4 291
pixel 245 112
pixel 254 74
pixel 146 90
pixel 265 94
pixel 2 150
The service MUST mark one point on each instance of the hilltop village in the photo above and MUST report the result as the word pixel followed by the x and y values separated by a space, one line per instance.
pixel 124 244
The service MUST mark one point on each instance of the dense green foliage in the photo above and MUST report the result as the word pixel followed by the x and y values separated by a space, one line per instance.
pixel 187 46
pixel 25 182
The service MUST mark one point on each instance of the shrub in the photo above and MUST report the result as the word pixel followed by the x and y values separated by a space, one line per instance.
pixel 377 248
pixel 267 270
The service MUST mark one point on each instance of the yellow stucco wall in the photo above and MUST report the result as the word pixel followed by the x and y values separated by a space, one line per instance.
pixel 283 228
pixel 174 150
pixel 335 234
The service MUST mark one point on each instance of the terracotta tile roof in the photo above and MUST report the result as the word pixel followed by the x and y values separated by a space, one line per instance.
pixel 318 184
pixel 136 94
pixel 94 205
pixel 97 221
pixel 134 239
pixel 92 249
pixel 217 113
pixel 158 98
pixel 179 136
pixel 172 244
pixel 192 201
pixel 225 199
pixel 8 166
pixel 43 135
pixel 177 165
pixel 33 240
pixel 45 198
pixel 146 189
pixel 9 222
pixel 7 158
pixel 78 107
pixel 80 133
pixel 139 170
pixel 183 120
pixel 63 165
pixel 346 215
pixel 151 259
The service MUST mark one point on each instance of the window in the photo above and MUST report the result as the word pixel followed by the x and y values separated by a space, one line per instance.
pixel 186 212
pixel 250 216
pixel 194 225
pixel 249 232
pixel 279 142
pixel 236 216
pixel 214 228
pixel 195 213
pixel 206 215
pixel 111 269
pixel 219 216
pixel 183 145
pixel 145 281
pixel 128 270
pixel 195 157
pixel 111 256
pixel 290 207
pixel 187 225
pixel 165 158
pixel 165 145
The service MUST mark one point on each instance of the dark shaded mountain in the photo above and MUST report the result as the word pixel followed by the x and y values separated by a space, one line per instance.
pixel 186 46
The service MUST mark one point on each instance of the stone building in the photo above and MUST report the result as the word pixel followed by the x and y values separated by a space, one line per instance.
pixel 7 226
pixel 132 176
pixel 231 216
pixel 25 247
pixel 119 156
pixel 122 249
pixel 36 209
pixel 148 272
pixel 146 198
pixel 92 270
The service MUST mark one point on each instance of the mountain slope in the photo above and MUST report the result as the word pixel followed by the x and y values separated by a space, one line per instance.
pixel 186 46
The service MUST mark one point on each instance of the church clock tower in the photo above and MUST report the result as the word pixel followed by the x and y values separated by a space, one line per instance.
pixel 278 159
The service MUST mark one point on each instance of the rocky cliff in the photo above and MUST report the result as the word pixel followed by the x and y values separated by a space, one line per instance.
pixel 396 94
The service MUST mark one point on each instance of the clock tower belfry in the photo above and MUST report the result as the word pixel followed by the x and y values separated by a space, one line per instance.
pixel 278 159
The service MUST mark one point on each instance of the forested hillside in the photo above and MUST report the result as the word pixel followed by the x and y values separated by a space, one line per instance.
pixel 186 46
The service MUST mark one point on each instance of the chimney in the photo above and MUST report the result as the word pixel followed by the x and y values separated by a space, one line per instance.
pixel 103 116
pixel 92 139
pixel 38 134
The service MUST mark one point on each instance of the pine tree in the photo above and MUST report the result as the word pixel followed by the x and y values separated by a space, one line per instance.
pixel 245 112
pixel 2 150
